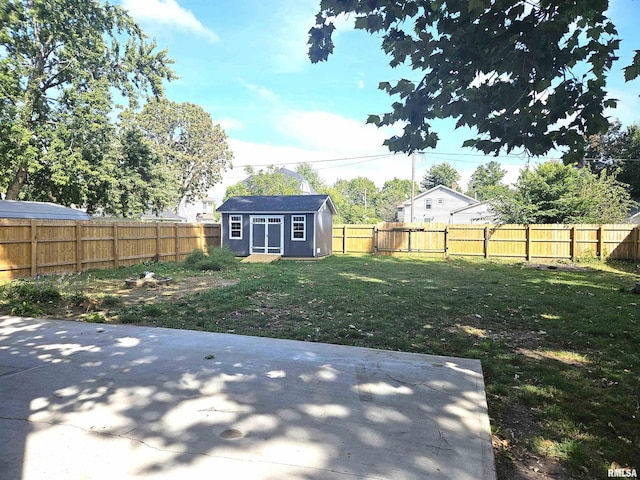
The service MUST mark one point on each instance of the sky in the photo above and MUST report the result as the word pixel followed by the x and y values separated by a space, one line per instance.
pixel 245 62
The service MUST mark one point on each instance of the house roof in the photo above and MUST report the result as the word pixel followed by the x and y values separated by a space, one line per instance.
pixel 443 189
pixel 471 206
pixel 277 204
pixel 41 210
pixel 166 216
pixel 634 216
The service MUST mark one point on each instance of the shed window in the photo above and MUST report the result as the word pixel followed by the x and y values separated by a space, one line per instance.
pixel 235 227
pixel 298 227
pixel 427 204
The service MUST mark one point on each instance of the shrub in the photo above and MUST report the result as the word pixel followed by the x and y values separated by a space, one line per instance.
pixel 77 298
pixel 110 301
pixel 32 292
pixel 195 257
pixel 26 297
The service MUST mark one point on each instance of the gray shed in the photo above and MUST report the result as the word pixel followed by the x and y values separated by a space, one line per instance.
pixel 39 210
pixel 287 225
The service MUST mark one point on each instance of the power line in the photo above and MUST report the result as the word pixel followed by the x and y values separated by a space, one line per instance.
pixel 372 157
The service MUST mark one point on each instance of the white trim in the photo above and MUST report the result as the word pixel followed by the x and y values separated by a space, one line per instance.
pixel 266 222
pixel 231 217
pixel 304 228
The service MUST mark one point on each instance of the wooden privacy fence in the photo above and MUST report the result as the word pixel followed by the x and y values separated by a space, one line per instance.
pixel 34 247
pixel 527 242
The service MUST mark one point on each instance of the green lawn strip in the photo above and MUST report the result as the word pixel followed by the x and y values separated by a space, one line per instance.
pixel 558 348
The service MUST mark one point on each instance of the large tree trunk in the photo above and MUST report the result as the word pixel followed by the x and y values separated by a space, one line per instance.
pixel 16 184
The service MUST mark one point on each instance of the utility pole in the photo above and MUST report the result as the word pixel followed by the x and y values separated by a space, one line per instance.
pixel 413 182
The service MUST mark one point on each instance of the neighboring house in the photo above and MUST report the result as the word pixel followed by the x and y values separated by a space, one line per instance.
pixel 304 186
pixel 207 212
pixel 287 225
pixel 166 216
pixel 435 205
pixel 39 210
pixel 634 216
pixel 476 213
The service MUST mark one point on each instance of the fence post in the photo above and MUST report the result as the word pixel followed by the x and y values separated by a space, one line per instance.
pixel 116 246
pixel 486 242
pixel 574 243
pixel 527 247
pixel 636 243
pixel 34 248
pixel 78 247
pixel 344 239
pixel 601 242
pixel 446 241
pixel 375 239
pixel 158 240
pixel 177 242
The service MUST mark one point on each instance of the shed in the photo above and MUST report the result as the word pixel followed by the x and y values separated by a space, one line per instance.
pixel 287 225
pixel 39 210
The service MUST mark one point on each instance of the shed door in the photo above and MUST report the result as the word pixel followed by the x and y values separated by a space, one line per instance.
pixel 267 234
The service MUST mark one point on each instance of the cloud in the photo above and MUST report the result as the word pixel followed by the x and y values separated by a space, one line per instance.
pixel 325 130
pixel 228 124
pixel 262 93
pixel 168 13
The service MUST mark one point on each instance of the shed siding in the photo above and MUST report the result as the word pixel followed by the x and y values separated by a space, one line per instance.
pixel 240 246
pixel 297 248
pixel 324 232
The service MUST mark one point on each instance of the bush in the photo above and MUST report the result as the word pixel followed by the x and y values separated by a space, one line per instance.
pixel 110 301
pixel 32 292
pixel 216 259
pixel 195 257
pixel 25 297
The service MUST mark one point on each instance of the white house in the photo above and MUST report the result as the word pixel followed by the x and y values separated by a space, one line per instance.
pixel 443 205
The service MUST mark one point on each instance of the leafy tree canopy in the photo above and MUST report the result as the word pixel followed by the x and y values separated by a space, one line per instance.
pixel 441 174
pixel 485 182
pixel 264 182
pixel 355 200
pixel 557 193
pixel 524 74
pixel 60 61
pixel 393 193
pixel 312 176
pixel 618 152
pixel 193 149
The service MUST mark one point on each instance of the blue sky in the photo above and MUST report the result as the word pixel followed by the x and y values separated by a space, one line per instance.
pixel 245 62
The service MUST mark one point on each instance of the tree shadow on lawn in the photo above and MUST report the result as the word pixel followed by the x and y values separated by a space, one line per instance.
pixel 124 402
pixel 558 349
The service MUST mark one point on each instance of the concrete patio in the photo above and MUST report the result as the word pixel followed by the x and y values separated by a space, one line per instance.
pixel 90 401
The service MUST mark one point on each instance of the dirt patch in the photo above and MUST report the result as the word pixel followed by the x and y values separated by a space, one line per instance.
pixel 126 296
pixel 562 267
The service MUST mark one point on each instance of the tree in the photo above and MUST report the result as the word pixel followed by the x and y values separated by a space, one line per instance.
pixel 312 176
pixel 185 138
pixel 441 174
pixel 60 62
pixel 393 193
pixel 557 193
pixel 485 182
pixel 617 151
pixel 269 182
pixel 355 199
pixel 524 74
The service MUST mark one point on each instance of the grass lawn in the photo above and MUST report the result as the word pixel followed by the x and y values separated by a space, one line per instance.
pixel 559 347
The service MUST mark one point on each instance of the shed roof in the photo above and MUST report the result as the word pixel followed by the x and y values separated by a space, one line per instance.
pixel 277 204
pixel 42 210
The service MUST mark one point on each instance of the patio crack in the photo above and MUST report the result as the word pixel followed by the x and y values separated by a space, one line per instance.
pixel 126 436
